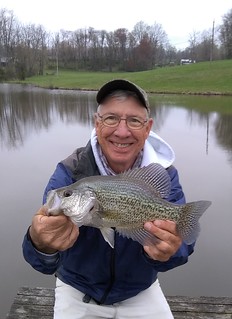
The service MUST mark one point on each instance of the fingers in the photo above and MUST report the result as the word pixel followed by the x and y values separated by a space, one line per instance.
pixel 42 211
pixel 168 241
pixel 65 235
pixel 67 238
pixel 157 253
pixel 52 233
pixel 161 228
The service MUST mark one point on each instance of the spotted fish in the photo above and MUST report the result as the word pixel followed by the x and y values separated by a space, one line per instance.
pixel 124 202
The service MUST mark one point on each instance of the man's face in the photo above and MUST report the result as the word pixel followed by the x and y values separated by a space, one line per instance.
pixel 120 144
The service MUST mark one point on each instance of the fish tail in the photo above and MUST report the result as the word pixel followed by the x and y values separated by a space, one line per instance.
pixel 188 225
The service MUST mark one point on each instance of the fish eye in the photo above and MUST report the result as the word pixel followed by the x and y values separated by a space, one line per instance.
pixel 67 193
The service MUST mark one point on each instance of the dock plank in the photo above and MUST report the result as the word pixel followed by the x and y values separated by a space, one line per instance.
pixel 38 302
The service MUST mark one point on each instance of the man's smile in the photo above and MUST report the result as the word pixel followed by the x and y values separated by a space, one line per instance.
pixel 121 145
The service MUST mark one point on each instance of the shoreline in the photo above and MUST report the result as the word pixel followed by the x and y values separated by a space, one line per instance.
pixel 51 87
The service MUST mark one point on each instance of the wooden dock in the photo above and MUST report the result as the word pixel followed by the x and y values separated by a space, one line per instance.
pixel 37 303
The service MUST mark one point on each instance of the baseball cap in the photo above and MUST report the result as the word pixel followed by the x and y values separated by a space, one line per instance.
pixel 123 85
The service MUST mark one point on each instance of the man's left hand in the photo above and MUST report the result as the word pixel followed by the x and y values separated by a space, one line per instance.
pixel 168 239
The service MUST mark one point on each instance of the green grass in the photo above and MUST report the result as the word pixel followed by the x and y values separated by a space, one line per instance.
pixel 200 78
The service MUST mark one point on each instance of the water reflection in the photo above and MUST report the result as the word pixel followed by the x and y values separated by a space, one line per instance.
pixel 221 124
pixel 214 113
pixel 223 131
pixel 25 110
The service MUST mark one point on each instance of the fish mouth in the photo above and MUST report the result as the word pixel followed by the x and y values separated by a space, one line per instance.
pixel 92 209
pixel 93 206
pixel 53 202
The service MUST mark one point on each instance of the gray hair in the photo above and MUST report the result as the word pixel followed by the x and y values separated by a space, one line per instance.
pixel 122 95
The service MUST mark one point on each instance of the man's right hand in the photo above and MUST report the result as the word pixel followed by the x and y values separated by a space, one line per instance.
pixel 50 234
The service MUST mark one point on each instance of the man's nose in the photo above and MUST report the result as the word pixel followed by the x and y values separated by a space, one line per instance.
pixel 122 128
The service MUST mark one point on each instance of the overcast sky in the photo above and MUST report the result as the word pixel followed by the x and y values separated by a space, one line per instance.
pixel 178 18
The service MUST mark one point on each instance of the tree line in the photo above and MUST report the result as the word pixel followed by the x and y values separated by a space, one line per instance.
pixel 27 50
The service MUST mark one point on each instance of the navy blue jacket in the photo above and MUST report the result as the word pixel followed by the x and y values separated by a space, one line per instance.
pixel 91 265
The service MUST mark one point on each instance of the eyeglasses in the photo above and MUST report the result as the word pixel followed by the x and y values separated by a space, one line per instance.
pixel 113 120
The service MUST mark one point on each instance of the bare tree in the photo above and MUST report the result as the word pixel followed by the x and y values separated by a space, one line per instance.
pixel 120 44
pixel 141 48
pixel 139 31
pixel 29 50
pixel 159 42
pixel 8 25
pixel 110 51
pixel 203 45
pixel 226 34
pixel 80 40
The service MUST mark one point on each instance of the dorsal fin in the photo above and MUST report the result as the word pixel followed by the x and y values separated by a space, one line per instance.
pixel 154 175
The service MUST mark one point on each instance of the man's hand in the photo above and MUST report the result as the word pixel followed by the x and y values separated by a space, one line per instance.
pixel 52 233
pixel 168 239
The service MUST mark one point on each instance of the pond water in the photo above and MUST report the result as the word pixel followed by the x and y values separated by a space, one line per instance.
pixel 40 127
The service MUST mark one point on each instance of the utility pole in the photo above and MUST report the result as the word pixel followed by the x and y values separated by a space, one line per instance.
pixel 212 43
pixel 57 42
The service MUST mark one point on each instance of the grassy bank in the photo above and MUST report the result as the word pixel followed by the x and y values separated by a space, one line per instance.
pixel 200 78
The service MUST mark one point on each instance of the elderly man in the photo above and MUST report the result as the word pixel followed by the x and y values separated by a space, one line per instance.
pixel 93 279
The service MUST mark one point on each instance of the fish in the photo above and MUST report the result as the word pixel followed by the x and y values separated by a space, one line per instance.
pixel 124 202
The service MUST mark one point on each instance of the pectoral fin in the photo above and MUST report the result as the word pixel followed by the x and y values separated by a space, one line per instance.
pixel 108 235
pixel 138 234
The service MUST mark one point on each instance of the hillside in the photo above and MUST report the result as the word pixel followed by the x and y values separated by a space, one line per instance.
pixel 200 78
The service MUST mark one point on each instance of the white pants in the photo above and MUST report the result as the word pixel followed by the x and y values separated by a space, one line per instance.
pixel 148 304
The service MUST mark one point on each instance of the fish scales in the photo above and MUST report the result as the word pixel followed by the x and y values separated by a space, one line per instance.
pixel 133 203
pixel 126 201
